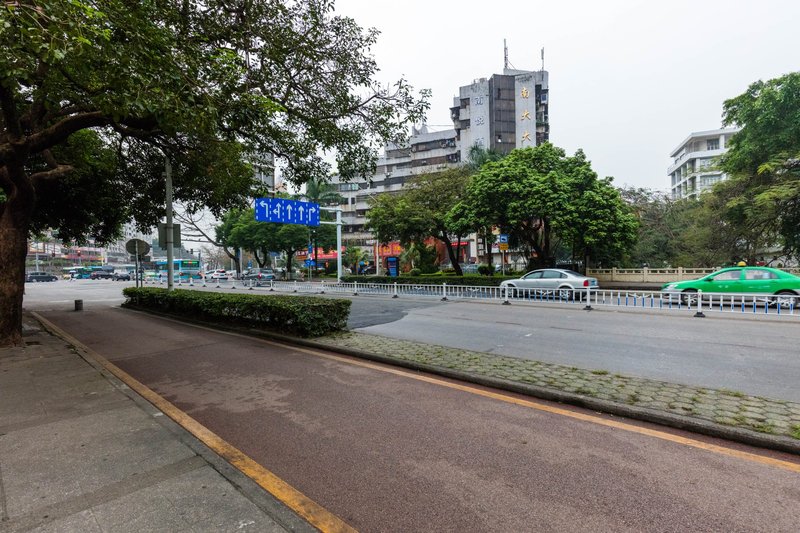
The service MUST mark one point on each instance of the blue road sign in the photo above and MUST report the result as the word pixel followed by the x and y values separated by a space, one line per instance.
pixel 503 238
pixel 310 263
pixel 286 211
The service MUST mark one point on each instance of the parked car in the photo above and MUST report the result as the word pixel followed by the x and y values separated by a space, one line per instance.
pixel 259 275
pixel 782 286
pixel 121 276
pixel 101 274
pixel 40 276
pixel 220 274
pixel 557 281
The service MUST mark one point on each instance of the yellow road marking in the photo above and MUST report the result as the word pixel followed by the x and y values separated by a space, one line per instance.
pixel 777 463
pixel 747 456
pixel 304 506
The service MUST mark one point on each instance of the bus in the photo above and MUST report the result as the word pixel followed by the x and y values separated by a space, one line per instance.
pixel 84 272
pixel 181 268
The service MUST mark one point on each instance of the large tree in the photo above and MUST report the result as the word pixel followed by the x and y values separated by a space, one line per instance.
pixel 762 196
pixel 543 198
pixel 211 85
pixel 422 210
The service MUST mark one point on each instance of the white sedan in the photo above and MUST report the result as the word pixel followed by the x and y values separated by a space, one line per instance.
pixel 548 281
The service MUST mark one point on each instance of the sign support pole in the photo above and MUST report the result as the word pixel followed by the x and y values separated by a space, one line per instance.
pixel 168 239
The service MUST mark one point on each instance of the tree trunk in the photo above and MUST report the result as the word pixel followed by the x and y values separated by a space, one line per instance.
pixel 452 255
pixel 14 224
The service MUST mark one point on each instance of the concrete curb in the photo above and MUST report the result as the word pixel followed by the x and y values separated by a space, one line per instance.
pixel 696 425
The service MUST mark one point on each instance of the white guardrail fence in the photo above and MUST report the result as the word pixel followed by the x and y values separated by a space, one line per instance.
pixel 697 303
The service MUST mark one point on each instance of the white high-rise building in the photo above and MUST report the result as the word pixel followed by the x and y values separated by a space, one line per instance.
pixel 693 169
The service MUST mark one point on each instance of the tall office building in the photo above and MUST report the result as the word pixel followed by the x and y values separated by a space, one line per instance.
pixel 503 112
pixel 506 111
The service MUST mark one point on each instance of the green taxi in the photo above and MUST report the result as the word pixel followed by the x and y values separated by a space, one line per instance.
pixel 740 280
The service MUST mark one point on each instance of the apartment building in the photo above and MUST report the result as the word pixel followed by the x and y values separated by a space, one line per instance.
pixel 503 112
pixel 693 169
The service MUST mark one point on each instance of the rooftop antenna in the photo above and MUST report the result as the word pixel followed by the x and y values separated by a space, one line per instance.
pixel 542 58
pixel 505 55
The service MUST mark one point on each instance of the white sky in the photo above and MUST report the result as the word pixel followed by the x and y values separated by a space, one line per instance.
pixel 629 80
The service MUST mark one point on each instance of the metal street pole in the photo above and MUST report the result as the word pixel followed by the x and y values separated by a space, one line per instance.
pixel 168 238
pixel 338 223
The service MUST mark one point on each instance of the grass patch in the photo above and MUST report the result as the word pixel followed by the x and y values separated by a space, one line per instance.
pixel 795 431
pixel 734 393
pixel 632 398
pixel 600 372
pixel 764 428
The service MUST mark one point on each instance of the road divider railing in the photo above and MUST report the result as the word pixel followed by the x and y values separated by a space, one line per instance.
pixel 698 303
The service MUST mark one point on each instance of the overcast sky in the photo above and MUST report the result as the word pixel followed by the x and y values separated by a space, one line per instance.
pixel 629 80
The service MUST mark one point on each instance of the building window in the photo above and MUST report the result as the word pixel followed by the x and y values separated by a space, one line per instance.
pixel 712 144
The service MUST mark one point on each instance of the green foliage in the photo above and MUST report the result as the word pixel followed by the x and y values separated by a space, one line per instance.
pixel 214 86
pixel 414 272
pixel 769 114
pixel 542 198
pixel 240 229
pixel 353 255
pixel 763 196
pixel 304 316
pixel 422 210
pixel 485 270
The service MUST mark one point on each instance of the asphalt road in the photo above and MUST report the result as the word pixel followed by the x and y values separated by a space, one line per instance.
pixel 391 450
pixel 754 355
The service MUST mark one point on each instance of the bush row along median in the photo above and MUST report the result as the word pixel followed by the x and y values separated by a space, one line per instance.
pixel 303 316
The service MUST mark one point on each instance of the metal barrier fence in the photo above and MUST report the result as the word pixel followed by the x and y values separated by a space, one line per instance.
pixel 697 303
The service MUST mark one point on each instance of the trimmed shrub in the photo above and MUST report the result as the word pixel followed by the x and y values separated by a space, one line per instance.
pixel 486 270
pixel 304 316
pixel 414 272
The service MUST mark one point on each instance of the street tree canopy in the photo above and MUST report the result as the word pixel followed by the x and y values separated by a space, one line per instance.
pixel 214 85
pixel 422 210
pixel 762 196
pixel 543 198
pixel 240 229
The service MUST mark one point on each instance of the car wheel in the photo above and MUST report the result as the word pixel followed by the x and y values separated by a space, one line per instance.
pixel 784 299
pixel 564 294
pixel 689 297
pixel 511 291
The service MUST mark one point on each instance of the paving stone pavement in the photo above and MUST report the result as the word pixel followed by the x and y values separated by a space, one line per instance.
pixel 79 451
pixel 725 408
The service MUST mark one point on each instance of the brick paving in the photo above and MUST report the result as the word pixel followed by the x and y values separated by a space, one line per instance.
pixel 719 406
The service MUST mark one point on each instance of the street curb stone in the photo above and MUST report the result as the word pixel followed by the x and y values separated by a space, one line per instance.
pixel 726 416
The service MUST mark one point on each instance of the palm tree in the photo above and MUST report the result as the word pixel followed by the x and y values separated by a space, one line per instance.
pixel 323 193
pixel 410 255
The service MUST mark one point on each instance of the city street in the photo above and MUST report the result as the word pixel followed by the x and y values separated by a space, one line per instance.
pixel 392 450
pixel 740 353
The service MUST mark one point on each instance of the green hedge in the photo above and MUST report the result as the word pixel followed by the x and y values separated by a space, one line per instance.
pixel 304 316
pixel 478 281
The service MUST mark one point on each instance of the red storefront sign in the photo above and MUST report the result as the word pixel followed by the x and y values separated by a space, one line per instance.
pixel 390 249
